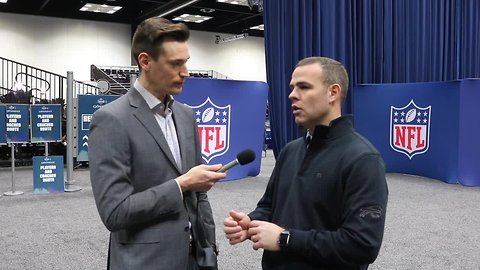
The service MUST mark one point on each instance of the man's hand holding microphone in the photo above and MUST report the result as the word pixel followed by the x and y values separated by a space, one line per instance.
pixel 203 177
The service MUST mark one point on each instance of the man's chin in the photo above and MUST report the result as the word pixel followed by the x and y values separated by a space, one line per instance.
pixel 299 121
pixel 176 90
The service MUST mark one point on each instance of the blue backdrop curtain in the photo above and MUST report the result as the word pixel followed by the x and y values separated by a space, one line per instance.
pixel 378 42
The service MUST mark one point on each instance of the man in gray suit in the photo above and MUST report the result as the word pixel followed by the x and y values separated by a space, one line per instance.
pixel 145 163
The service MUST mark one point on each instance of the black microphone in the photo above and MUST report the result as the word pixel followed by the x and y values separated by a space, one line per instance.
pixel 244 157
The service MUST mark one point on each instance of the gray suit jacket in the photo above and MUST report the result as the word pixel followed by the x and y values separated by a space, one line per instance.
pixel 132 172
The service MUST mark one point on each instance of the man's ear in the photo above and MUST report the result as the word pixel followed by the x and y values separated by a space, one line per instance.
pixel 144 61
pixel 335 92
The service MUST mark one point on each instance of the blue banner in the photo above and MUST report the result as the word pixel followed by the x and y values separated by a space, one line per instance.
pixel 46 123
pixel 469 132
pixel 3 132
pixel 48 174
pixel 425 129
pixel 87 105
pixel 17 123
pixel 231 117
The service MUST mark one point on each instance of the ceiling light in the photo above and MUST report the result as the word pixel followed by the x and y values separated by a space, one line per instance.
pixel 258 27
pixel 207 10
pixel 177 8
pixel 235 2
pixel 191 18
pixel 3 1
pixel 100 8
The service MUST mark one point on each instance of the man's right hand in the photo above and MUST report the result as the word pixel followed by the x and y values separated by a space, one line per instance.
pixel 236 227
pixel 200 178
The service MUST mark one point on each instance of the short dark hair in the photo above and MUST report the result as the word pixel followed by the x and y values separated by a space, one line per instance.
pixel 333 72
pixel 151 33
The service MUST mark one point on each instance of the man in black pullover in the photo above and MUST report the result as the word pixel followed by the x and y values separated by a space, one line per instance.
pixel 324 206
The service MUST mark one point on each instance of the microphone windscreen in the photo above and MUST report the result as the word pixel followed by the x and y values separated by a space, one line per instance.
pixel 246 156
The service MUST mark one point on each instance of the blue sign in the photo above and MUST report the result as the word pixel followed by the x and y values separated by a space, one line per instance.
pixel 3 132
pixel 426 129
pixel 17 123
pixel 46 123
pixel 231 117
pixel 87 105
pixel 48 174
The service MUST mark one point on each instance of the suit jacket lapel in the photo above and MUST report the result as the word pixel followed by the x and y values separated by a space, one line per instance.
pixel 143 113
pixel 180 118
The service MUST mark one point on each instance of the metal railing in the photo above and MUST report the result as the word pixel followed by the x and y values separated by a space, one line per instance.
pixel 115 82
pixel 116 79
pixel 24 84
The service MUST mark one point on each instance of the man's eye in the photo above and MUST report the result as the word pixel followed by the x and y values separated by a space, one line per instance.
pixel 177 64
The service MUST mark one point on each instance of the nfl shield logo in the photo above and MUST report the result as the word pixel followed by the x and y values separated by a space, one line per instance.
pixel 410 129
pixel 213 128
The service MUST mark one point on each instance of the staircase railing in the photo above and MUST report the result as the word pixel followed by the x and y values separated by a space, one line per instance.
pixel 111 83
pixel 24 84
pixel 116 79
pixel 21 83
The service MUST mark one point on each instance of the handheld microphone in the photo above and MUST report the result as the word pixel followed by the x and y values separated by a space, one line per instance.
pixel 244 157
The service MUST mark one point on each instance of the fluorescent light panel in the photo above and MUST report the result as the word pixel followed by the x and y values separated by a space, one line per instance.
pixel 192 18
pixel 99 8
pixel 235 2
pixel 3 1
pixel 258 27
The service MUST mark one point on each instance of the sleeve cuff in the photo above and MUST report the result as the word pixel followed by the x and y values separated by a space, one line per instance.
pixel 298 240
pixel 179 188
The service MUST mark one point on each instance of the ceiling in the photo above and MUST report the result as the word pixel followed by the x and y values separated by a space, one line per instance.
pixel 227 18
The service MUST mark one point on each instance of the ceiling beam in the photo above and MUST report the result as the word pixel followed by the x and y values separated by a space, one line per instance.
pixel 44 4
pixel 240 20
pixel 167 8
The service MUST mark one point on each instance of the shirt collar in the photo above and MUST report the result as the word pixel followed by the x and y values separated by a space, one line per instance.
pixel 337 128
pixel 308 137
pixel 152 101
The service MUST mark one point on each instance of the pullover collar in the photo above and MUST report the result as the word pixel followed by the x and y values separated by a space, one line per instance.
pixel 337 128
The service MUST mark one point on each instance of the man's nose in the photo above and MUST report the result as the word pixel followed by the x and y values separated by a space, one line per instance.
pixel 293 95
pixel 184 72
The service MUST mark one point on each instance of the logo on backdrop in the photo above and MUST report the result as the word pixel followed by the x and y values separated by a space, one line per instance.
pixel 213 128
pixel 410 129
pixel 100 103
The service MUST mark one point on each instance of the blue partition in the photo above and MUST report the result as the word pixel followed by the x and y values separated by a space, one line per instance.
pixel 230 117
pixel 426 129
pixel 469 133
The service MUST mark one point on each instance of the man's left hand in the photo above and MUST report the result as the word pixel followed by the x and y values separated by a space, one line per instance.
pixel 264 235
